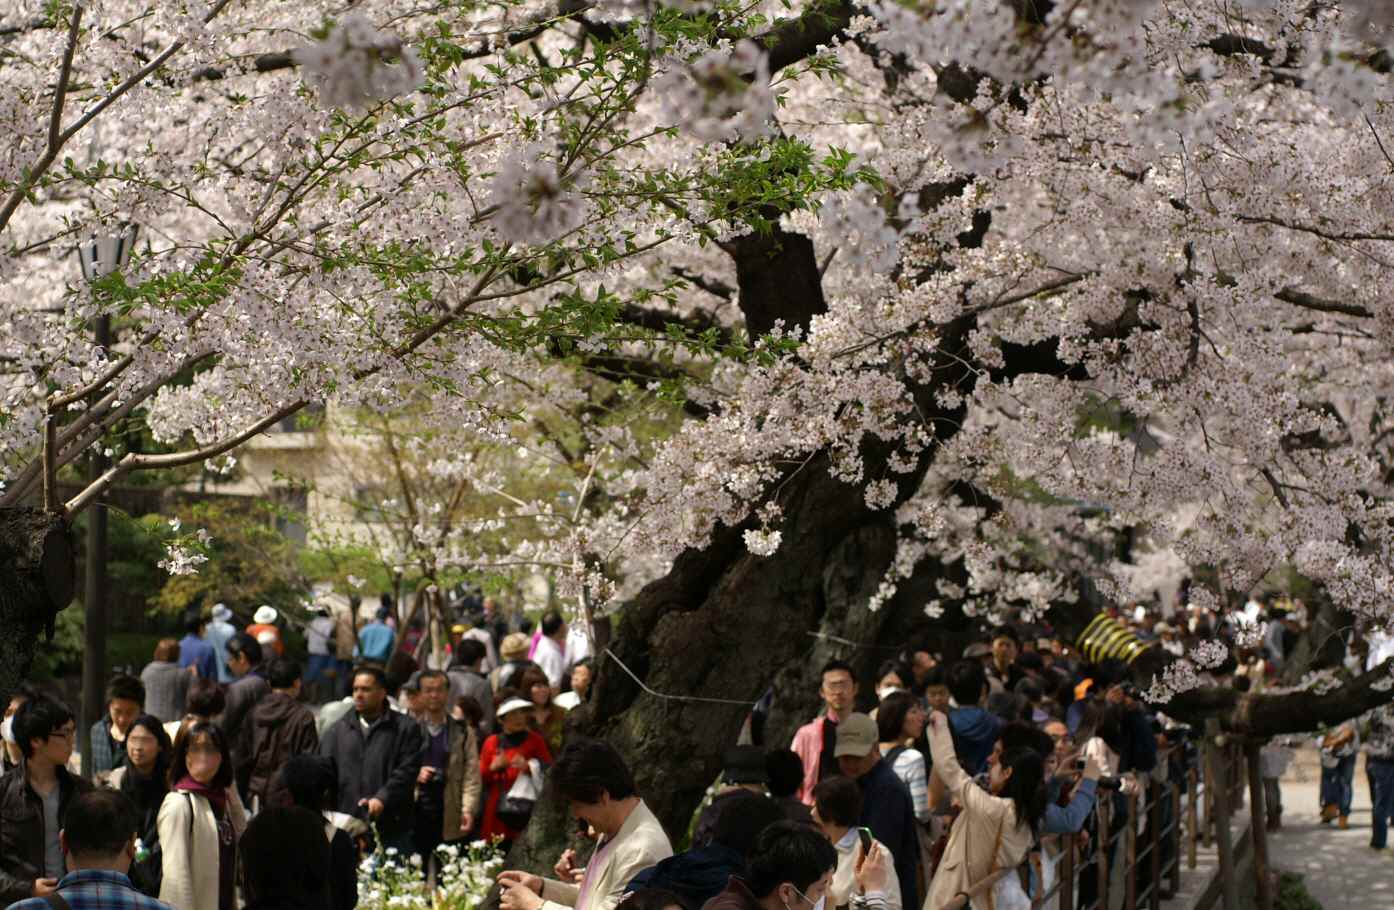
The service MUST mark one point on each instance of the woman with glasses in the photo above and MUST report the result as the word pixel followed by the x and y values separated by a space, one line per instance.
pixel 144 779
pixel 200 821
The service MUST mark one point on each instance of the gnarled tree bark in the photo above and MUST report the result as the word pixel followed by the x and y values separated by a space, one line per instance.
pixel 37 579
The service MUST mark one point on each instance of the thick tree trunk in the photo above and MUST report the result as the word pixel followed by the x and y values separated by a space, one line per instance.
pixel 710 636
pixel 37 570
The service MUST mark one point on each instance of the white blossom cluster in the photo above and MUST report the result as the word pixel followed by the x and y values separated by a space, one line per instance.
pixel 1166 312
pixel 1208 654
pixel 722 94
pixel 1179 676
pixel 536 202
pixel 356 65
pixel 185 555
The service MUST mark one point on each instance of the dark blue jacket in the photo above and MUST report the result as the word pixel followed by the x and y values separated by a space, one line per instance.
pixel 194 651
pixel 888 812
pixel 696 876
pixel 1140 753
pixel 975 733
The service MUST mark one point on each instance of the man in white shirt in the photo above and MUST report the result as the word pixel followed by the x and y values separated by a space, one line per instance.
pixel 578 644
pixel 319 641
pixel 491 654
pixel 551 655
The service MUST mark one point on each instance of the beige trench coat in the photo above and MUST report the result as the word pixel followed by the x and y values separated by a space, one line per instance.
pixel 985 837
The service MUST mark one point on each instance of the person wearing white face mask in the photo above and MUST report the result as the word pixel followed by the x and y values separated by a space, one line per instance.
pixel 892 677
pixel 791 868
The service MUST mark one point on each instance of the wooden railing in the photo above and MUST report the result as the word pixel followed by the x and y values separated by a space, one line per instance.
pixel 1146 869
pixel 1182 812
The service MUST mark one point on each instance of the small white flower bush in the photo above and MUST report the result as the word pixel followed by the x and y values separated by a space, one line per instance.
pixel 387 880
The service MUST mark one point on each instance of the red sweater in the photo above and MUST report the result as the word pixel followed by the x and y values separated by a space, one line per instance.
pixel 498 782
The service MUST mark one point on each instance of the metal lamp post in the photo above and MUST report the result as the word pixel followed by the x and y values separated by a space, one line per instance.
pixel 99 256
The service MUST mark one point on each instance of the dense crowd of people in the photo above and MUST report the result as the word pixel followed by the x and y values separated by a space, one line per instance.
pixel 230 775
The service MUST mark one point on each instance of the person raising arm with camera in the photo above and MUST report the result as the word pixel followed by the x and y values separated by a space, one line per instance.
pixel 997 825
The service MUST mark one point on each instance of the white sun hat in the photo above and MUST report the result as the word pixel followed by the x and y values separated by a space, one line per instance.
pixel 513 704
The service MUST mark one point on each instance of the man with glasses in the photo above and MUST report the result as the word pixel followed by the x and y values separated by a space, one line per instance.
pixel 34 800
pixel 815 741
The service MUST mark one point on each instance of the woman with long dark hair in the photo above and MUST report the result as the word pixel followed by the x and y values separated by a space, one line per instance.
pixel 900 728
pixel 997 825
pixel 200 821
pixel 145 781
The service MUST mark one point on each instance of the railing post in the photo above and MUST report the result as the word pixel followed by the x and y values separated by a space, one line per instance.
pixel 1130 855
pixel 1208 779
pixel 1066 873
pixel 1215 773
pixel 1258 824
pixel 1154 825
pixel 1175 836
pixel 1192 816
pixel 1101 851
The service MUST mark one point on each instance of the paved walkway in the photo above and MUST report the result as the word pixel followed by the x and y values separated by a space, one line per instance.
pixel 1340 869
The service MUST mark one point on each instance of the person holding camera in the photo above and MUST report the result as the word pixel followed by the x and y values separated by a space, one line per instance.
pixel 998 824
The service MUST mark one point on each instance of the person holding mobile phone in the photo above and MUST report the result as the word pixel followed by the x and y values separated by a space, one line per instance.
pixel 837 807
pixel 596 783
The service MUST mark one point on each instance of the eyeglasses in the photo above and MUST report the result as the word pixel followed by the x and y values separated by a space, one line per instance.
pixel 840 685
pixel 66 733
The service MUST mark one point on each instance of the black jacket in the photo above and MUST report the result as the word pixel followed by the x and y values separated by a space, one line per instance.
pixel 382 764
pixel 343 872
pixel 696 876
pixel 22 831
pixel 242 695
pixel 888 812
pixel 277 729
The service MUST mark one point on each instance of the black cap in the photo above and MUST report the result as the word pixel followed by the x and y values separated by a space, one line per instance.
pixel 744 765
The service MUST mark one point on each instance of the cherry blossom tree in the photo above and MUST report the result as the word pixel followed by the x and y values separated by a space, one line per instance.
pixel 894 298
